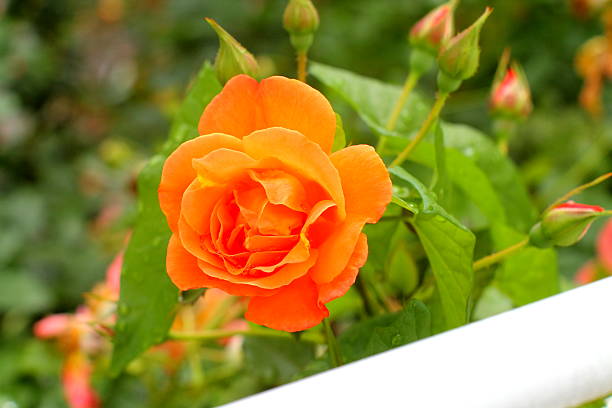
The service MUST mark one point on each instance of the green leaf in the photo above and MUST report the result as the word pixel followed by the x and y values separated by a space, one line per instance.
pixel 465 174
pixel 529 275
pixel 372 99
pixel 148 299
pixel 402 271
pixel 276 361
pixel 340 136
pixel 499 169
pixel 385 332
pixel 449 247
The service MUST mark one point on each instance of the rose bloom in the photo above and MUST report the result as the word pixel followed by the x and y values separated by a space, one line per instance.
pixel 260 207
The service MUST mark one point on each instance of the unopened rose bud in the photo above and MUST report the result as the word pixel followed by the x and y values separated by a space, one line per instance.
pixel 459 57
pixel 564 225
pixel 301 20
pixel 232 59
pixel 433 30
pixel 510 96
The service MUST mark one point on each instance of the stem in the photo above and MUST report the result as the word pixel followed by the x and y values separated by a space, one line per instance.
pixel 498 256
pixel 193 352
pixel 577 190
pixel 332 344
pixel 302 60
pixel 221 333
pixel 431 118
pixel 409 85
pixel 504 129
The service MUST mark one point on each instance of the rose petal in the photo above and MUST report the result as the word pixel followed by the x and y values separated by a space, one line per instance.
pixel 233 110
pixel 604 247
pixel 365 181
pixel 185 273
pixel 222 166
pixel 279 220
pixel 191 241
pixel 342 283
pixel 295 307
pixel 270 242
pixel 198 204
pixel 244 106
pixel 283 275
pixel 335 252
pixel 281 188
pixel 292 104
pixel 76 381
pixel 178 172
pixel 54 325
pixel 302 155
pixel 586 274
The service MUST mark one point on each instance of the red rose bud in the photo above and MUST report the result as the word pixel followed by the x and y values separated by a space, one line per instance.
pixel 564 225
pixel 458 59
pixel 433 30
pixel 301 20
pixel 510 96
pixel 232 59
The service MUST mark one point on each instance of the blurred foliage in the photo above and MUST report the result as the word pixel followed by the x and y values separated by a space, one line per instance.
pixel 86 90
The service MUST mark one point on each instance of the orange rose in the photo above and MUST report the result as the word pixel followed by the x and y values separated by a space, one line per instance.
pixel 259 207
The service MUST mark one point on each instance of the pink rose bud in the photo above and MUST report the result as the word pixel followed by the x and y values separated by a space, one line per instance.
pixel 510 96
pixel 460 55
pixel 232 59
pixel 301 20
pixel 433 30
pixel 564 225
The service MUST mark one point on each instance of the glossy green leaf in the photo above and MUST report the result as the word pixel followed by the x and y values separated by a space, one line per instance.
pixel 529 275
pixel 499 169
pixel 385 332
pixel 148 298
pixel 465 174
pixel 449 247
pixel 372 99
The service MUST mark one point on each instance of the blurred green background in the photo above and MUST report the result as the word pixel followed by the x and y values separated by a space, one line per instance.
pixel 87 88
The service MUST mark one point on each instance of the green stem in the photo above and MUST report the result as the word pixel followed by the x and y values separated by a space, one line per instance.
pixel 577 190
pixel 431 118
pixel 332 344
pixel 409 85
pixel 302 61
pixel 220 334
pixel 498 256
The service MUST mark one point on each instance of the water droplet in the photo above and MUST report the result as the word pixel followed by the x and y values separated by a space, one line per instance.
pixel 397 340
pixel 123 309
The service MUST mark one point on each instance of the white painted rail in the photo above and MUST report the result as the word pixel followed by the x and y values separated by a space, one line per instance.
pixel 550 354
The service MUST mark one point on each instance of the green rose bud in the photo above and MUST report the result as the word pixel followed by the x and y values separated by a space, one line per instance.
pixel 232 59
pixel 301 20
pixel 459 57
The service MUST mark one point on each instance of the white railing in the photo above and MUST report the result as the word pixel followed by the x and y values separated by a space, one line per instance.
pixel 553 353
